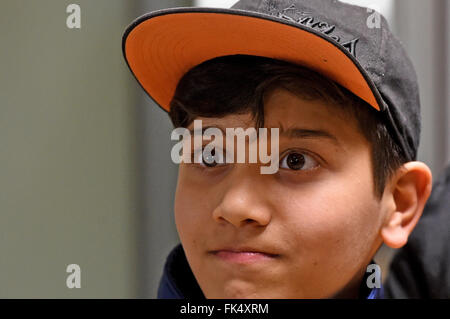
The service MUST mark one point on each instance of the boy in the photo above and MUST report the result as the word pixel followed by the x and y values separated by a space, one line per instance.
pixel 344 99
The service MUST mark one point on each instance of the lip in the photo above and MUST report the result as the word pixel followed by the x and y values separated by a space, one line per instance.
pixel 243 256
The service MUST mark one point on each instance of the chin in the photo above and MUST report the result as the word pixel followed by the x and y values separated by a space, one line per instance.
pixel 245 290
pixel 236 290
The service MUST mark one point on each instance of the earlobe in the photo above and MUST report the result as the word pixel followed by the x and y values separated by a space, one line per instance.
pixel 410 188
pixel 393 234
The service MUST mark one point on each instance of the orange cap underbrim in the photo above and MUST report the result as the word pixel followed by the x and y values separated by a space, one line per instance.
pixel 160 49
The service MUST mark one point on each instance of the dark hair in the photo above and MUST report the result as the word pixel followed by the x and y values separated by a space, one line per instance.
pixel 238 84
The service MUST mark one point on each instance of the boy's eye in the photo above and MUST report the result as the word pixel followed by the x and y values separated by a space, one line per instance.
pixel 298 161
pixel 210 159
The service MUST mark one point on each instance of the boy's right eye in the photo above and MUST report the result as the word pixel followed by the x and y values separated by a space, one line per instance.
pixel 208 158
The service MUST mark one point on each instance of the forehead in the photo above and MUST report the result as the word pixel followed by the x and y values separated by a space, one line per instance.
pixel 286 110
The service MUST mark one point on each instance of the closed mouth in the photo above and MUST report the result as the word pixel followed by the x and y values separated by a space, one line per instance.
pixel 243 256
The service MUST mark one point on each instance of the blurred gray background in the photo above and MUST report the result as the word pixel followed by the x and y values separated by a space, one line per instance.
pixel 85 169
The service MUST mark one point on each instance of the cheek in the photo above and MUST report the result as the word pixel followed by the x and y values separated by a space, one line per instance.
pixel 185 216
pixel 336 220
pixel 191 209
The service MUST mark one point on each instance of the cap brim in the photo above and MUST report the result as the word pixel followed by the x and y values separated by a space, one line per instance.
pixel 162 46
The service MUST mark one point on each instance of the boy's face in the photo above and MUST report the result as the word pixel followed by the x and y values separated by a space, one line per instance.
pixel 307 231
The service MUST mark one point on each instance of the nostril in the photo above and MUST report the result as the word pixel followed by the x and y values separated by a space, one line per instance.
pixel 249 221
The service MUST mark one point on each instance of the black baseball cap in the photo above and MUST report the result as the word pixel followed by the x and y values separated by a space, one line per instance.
pixel 327 36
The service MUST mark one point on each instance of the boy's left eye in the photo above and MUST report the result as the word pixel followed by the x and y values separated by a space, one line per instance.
pixel 298 161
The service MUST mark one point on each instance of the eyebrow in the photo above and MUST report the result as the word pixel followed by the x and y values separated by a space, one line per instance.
pixel 293 132
pixel 296 132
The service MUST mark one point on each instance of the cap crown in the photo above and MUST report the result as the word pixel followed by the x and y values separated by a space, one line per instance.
pixel 367 37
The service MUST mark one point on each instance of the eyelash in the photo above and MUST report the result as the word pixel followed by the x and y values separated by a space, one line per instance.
pixel 304 153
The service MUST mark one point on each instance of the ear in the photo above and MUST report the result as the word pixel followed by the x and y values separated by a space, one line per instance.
pixel 407 193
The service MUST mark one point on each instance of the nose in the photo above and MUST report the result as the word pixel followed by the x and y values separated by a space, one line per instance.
pixel 244 202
